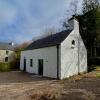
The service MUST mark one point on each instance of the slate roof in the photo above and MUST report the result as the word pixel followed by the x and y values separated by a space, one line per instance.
pixel 6 46
pixel 48 41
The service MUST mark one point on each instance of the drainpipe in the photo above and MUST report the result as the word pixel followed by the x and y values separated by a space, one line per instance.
pixel 58 62
pixel 78 58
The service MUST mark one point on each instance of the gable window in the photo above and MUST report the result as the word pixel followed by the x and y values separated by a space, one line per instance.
pixel 7 52
pixel 6 59
pixel 73 44
pixel 31 62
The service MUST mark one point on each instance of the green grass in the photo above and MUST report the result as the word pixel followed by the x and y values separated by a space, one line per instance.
pixel 98 75
pixel 4 67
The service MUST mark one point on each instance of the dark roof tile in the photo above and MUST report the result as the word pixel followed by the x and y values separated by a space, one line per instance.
pixel 48 41
pixel 6 46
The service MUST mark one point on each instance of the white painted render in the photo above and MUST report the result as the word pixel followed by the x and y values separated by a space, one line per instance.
pixel 10 55
pixel 82 56
pixel 49 56
pixel 73 59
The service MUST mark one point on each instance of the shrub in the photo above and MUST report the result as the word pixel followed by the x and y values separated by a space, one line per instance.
pixel 14 65
pixel 98 75
pixel 4 67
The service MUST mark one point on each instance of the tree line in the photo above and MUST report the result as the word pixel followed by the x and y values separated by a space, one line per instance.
pixel 89 25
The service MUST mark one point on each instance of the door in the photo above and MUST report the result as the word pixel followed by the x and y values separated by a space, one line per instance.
pixel 24 65
pixel 40 68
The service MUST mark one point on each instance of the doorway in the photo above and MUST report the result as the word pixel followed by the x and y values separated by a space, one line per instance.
pixel 40 68
pixel 24 65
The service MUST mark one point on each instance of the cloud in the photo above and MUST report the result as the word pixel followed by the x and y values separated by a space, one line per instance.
pixel 21 20
pixel 7 13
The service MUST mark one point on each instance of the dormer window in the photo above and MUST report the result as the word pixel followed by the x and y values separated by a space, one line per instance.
pixel 73 44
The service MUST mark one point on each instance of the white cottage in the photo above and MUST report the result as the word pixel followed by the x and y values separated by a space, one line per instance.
pixel 57 56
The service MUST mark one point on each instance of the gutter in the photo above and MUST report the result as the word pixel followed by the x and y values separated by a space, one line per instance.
pixel 58 61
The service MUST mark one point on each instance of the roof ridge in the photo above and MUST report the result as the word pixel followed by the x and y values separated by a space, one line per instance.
pixel 52 35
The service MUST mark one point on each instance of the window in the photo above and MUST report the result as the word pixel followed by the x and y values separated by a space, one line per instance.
pixel 6 59
pixel 73 42
pixel 31 62
pixel 7 52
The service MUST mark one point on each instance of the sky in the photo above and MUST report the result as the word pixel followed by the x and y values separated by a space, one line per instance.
pixel 22 20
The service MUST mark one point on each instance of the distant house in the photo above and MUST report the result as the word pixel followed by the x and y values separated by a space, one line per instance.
pixel 7 53
pixel 57 56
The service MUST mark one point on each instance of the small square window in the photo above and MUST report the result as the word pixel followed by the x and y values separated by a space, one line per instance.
pixel 31 62
pixel 7 52
pixel 73 44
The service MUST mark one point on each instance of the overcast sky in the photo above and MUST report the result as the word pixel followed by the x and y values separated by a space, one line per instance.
pixel 21 20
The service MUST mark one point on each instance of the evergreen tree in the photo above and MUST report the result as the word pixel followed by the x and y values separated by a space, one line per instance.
pixel 89 25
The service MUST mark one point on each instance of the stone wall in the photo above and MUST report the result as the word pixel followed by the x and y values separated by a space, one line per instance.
pixel 7 53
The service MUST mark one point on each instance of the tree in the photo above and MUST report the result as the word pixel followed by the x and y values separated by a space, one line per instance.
pixel 73 11
pixel 47 32
pixel 89 28
pixel 74 6
pixel 89 5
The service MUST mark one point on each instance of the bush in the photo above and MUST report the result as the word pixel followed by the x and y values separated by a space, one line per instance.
pixel 14 65
pixel 4 67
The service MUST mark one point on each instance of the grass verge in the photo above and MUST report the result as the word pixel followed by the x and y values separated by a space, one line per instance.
pixel 4 67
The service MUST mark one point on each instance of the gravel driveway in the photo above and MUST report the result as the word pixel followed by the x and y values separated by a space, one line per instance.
pixel 17 85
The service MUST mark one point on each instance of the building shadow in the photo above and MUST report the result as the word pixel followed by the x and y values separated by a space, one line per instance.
pixel 18 77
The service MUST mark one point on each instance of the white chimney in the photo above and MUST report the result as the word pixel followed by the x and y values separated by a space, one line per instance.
pixel 73 23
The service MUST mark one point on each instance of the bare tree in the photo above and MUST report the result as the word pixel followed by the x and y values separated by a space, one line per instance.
pixel 74 6
pixel 46 32
pixel 89 22
pixel 89 5
pixel 49 31
pixel 72 11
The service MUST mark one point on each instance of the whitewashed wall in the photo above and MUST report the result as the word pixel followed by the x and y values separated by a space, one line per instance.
pixel 82 56
pixel 48 54
pixel 72 60
pixel 10 55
